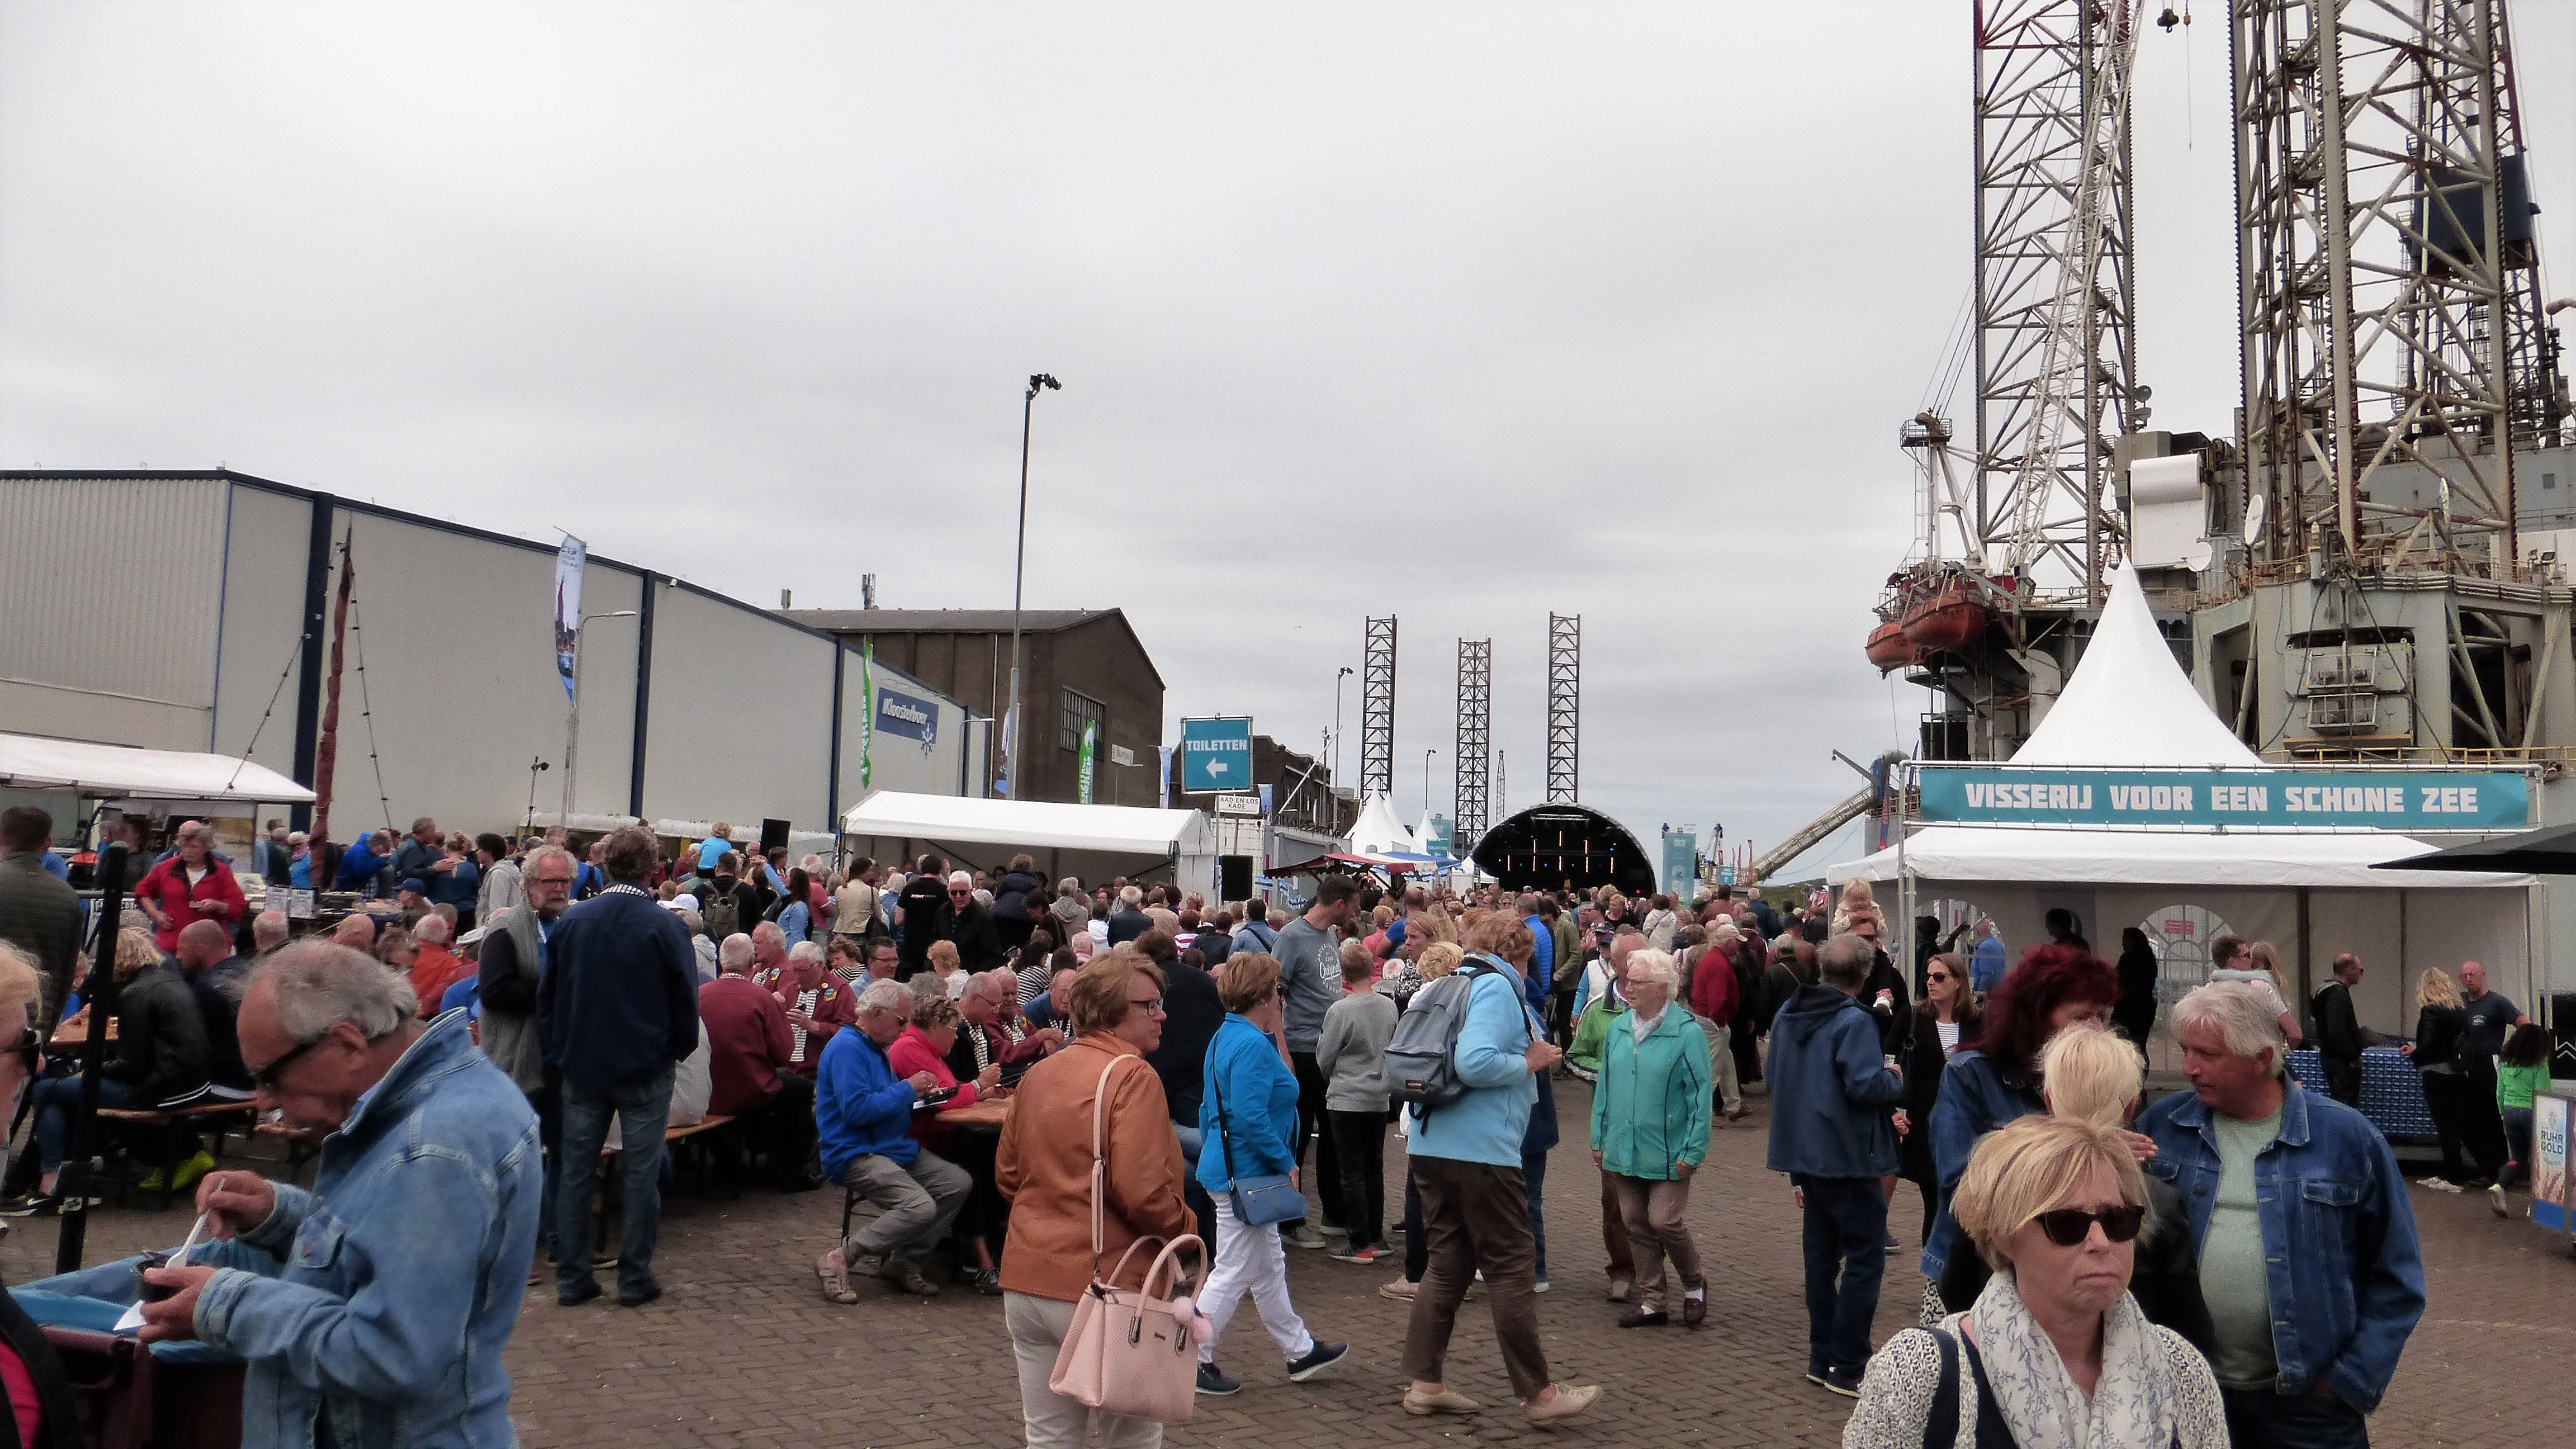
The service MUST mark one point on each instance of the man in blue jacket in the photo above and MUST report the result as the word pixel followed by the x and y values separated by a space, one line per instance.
pixel 2306 1240
pixel 617 1012
pixel 1831 1089
pixel 1465 1161
pixel 863 1115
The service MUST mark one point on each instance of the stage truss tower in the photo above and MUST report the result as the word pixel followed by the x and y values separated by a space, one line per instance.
pixel 1377 709
pixel 1564 706
pixel 1475 739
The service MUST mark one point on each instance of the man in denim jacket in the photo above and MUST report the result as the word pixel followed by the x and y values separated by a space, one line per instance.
pixel 2307 1243
pixel 372 1310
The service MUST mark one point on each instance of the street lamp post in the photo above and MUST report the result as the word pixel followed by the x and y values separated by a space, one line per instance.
pixel 1019 565
pixel 1426 780
pixel 572 721
pixel 1337 723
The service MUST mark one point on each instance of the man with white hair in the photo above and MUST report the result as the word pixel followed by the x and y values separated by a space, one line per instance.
pixel 381 1299
pixel 816 1002
pixel 2306 1241
pixel 696 925
pixel 268 931
pixel 1072 909
pixel 863 1113
pixel 751 1060
pixel 966 922
pixel 1129 921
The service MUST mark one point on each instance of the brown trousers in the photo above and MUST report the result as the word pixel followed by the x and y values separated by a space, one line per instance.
pixel 1653 1211
pixel 1476 1216
pixel 1614 1232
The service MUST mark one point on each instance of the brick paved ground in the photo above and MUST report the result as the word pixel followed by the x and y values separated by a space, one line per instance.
pixel 743 1353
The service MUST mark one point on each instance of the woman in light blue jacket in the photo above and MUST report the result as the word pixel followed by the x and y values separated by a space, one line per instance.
pixel 1248 1129
pixel 1650 1133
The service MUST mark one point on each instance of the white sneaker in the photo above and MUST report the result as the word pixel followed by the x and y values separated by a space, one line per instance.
pixel 1539 1286
pixel 1303 1235
pixel 2495 1200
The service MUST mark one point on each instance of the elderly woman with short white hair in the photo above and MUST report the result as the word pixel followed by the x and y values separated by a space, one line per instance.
pixel 1650 1127
pixel 2054 1351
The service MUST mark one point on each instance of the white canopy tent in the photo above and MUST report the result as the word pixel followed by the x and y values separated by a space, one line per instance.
pixel 174 781
pixel 2129 704
pixel 1094 842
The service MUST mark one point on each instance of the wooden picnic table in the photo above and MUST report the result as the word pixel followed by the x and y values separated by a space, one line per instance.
pixel 986 1115
pixel 73 1038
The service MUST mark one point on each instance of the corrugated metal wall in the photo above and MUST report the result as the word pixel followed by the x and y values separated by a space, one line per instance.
pixel 112 599
pixel 741 715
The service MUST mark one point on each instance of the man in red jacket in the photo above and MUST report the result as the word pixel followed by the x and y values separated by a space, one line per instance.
pixel 749 1053
pixel 1712 1000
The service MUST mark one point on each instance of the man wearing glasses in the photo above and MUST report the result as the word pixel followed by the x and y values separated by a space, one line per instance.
pixel 386 1293
pixel 514 954
pixel 965 923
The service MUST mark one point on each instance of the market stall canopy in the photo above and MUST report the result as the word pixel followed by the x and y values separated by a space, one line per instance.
pixel 1032 824
pixel 117 772
pixel 2548 851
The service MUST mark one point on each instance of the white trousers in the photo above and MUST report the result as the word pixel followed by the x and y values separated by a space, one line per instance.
pixel 1721 1061
pixel 1250 1260
pixel 1037 1327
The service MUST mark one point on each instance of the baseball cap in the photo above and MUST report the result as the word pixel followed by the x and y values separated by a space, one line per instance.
pixel 684 901
pixel 417 885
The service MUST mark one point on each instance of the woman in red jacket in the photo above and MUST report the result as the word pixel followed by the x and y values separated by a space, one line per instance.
pixel 190 886
pixel 924 1047
pixel 1712 1000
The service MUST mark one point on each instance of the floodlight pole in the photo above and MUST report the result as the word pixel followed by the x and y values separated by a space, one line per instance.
pixel 1019 573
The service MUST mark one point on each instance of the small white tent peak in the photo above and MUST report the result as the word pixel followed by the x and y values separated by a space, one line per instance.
pixel 1380 831
pixel 2129 702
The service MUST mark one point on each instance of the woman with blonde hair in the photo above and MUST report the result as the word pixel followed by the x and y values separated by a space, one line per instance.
pixel 2054 1350
pixel 159 1062
pixel 2440 1021
pixel 2092 1075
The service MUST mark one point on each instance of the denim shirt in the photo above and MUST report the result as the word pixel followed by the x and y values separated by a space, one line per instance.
pixel 388 1292
pixel 1977 1097
pixel 2342 1267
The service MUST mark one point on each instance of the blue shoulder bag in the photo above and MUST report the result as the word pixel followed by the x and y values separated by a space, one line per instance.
pixel 1259 1201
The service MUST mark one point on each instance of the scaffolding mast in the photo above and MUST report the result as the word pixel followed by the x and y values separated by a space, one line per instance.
pixel 1564 706
pixel 1377 709
pixel 1475 737
pixel 2055 351
pixel 2377 155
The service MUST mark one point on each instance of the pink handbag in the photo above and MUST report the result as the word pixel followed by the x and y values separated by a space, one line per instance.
pixel 1126 1353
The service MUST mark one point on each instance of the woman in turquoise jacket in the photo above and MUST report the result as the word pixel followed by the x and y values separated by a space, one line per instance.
pixel 1650 1132
pixel 1248 1128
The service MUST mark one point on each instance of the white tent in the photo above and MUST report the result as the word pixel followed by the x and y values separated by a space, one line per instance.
pixel 1380 831
pixel 1091 841
pixel 2129 704
pixel 202 784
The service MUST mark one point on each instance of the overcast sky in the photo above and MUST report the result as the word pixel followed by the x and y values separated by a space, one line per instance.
pixel 1462 313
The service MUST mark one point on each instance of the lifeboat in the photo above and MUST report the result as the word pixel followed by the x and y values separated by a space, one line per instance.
pixel 1948 616
pixel 1889 649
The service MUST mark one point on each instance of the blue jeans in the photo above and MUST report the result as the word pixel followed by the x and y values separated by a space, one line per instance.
pixel 1846 1236
pixel 643 1113
pixel 2517 1146
pixel 57 1098
pixel 2293 1421
pixel 1533 1172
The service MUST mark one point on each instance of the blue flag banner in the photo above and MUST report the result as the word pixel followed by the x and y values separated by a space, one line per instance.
pixel 2275 799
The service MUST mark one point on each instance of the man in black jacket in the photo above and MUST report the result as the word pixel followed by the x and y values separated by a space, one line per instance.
pixel 917 907
pixel 617 1012
pixel 1192 1011
pixel 2340 1037
pixel 967 925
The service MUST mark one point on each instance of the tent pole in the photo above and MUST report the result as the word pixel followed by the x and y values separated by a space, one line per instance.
pixel 2306 972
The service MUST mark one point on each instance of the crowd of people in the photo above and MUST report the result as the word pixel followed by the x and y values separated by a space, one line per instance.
pixel 2235 1260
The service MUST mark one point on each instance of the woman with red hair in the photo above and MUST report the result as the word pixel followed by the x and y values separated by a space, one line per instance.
pixel 1995 1078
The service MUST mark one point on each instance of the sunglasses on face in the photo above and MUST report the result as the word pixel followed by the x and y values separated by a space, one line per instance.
pixel 265 1079
pixel 2068 1227
pixel 1937 976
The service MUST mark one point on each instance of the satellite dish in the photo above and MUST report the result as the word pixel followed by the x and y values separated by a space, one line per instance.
pixel 2199 557
pixel 2254 520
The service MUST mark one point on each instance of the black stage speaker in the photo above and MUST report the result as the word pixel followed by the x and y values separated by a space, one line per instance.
pixel 773 835
pixel 1234 877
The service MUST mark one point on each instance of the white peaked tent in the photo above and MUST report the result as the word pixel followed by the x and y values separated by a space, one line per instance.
pixel 2129 704
pixel 1380 831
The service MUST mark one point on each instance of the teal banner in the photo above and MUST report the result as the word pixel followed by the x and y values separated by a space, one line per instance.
pixel 2308 799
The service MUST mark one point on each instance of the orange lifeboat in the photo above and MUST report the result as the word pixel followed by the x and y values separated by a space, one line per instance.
pixel 1947 617
pixel 1889 649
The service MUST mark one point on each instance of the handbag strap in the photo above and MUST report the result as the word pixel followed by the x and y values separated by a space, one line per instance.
pixel 1224 1139
pixel 1100 1160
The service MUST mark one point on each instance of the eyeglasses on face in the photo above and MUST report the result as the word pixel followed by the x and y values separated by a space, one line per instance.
pixel 1150 1004
pixel 2068 1227
pixel 265 1079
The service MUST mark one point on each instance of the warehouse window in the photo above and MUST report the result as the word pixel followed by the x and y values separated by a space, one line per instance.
pixel 1080 710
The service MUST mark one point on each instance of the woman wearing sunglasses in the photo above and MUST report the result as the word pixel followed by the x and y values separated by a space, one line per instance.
pixel 2093 1076
pixel 2054 1351
pixel 1945 1021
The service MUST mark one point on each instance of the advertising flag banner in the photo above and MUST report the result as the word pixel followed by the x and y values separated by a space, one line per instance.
pixel 1216 754
pixel 1163 776
pixel 907 717
pixel 867 717
pixel 568 562
pixel 1090 754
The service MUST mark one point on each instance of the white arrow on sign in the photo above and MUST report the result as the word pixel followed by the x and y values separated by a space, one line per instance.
pixel 1216 767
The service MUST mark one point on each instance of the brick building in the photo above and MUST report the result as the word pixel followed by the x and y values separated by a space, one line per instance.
pixel 1076 665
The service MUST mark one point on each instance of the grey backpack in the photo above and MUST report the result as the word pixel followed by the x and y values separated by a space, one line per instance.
pixel 1421 1058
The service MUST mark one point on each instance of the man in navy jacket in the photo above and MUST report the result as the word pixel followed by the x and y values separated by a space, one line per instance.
pixel 1831 1088
pixel 617 1012
pixel 863 1115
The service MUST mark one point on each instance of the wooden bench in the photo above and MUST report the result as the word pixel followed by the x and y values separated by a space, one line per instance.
pixel 218 1115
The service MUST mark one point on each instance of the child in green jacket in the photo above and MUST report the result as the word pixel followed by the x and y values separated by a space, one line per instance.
pixel 2520 1074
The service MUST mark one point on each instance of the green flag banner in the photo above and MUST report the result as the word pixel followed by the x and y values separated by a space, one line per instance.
pixel 1090 748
